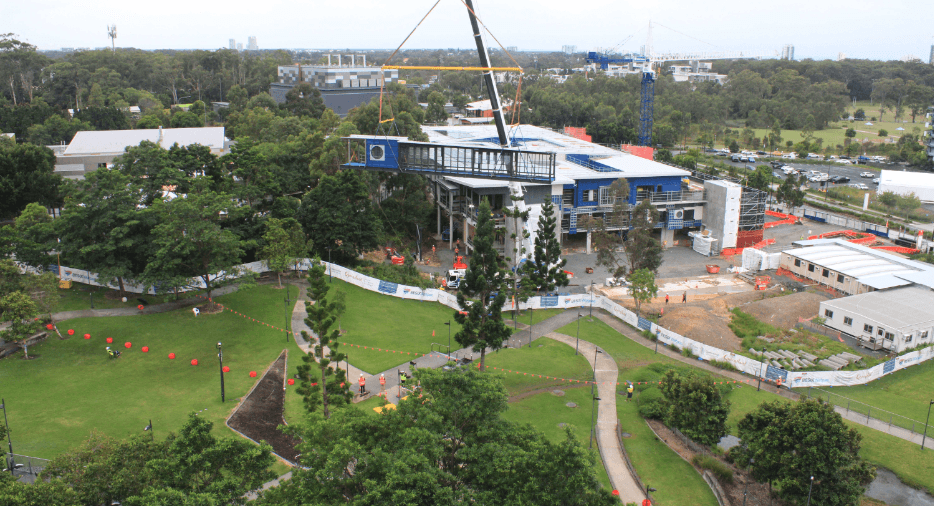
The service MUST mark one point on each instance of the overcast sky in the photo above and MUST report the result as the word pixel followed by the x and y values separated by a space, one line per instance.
pixel 819 29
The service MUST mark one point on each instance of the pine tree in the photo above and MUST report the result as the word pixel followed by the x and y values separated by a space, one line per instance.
pixel 546 269
pixel 482 327
pixel 321 385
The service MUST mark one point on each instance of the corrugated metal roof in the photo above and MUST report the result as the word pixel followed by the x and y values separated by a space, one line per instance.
pixel 875 268
pixel 107 142
pixel 898 309
pixel 883 281
pixel 925 278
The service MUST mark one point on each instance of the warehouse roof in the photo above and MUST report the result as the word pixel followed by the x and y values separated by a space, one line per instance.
pixel 874 268
pixel 903 309
pixel 107 142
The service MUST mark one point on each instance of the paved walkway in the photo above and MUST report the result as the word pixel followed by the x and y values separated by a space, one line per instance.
pixel 606 374
pixel 872 423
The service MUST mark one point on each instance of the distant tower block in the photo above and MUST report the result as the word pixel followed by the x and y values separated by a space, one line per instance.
pixel 233 44
pixel 788 52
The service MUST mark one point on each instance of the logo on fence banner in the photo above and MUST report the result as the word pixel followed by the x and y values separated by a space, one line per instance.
pixel 889 366
pixel 548 301
pixel 414 292
pixel 387 287
pixel 644 324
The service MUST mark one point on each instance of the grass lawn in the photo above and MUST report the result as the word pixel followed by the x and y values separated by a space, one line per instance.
pixel 906 392
pixel 56 400
pixel 904 459
pixel 376 320
pixel 79 297
pixel 538 315
pixel 545 411
pixel 546 357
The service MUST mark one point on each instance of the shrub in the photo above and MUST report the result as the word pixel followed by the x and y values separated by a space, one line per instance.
pixel 688 353
pixel 675 348
pixel 719 469
pixel 649 335
pixel 723 365
pixel 652 404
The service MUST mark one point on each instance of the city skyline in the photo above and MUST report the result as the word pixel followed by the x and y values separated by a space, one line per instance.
pixel 861 31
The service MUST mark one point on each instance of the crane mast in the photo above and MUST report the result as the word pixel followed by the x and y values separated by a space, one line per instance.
pixel 495 102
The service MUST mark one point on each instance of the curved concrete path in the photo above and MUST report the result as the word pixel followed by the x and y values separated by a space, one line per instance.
pixel 606 374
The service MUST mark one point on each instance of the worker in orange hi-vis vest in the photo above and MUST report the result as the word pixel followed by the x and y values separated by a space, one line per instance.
pixel 362 383
pixel 382 383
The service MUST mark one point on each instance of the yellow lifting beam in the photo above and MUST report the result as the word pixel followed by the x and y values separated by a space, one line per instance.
pixel 497 69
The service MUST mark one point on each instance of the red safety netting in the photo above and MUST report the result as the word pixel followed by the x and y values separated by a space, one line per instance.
pixel 898 249
pixel 736 251
pixel 577 133
pixel 863 238
pixel 646 152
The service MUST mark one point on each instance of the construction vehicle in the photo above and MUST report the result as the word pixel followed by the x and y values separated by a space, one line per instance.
pixel 453 279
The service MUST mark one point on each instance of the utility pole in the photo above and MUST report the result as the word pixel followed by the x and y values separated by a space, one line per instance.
pixel 9 439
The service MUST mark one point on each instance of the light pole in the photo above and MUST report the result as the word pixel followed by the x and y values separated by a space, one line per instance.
pixel 288 300
pixel 922 438
pixel 578 344
pixel 647 490
pixel 591 300
pixel 530 326
pixel 448 323
pixel 148 428
pixel 745 488
pixel 809 491
pixel 220 359
pixel 593 404
pixel 9 439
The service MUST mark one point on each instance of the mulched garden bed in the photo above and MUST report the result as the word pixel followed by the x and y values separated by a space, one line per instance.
pixel 259 415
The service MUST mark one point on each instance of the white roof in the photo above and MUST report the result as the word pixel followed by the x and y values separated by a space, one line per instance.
pixel 108 142
pixel 903 178
pixel 874 268
pixel 904 309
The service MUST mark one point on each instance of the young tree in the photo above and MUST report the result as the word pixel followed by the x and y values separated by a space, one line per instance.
pixel 189 240
pixel 790 193
pixel 285 244
pixel 643 251
pixel 26 176
pixel 907 204
pixel 20 311
pixel 696 407
pixel 518 290
pixel 546 270
pixel 34 237
pixel 482 327
pixel 322 386
pixel 642 287
pixel 791 442
pixel 608 243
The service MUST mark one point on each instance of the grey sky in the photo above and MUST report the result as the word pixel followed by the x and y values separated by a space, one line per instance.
pixel 819 29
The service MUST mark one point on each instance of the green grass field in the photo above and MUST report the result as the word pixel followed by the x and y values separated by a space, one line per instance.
pixel 375 320
pixel 56 400
pixel 546 357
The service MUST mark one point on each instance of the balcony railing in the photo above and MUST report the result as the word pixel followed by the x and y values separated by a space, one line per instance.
pixel 676 196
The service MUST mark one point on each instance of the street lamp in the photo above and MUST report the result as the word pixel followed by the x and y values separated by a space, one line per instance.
pixel 220 359
pixel 922 438
pixel 647 490
pixel 530 326
pixel 9 439
pixel 148 428
pixel 759 384
pixel 578 344
pixel 591 300
pixel 288 300
pixel 745 488
pixel 593 404
pixel 809 491
pixel 448 323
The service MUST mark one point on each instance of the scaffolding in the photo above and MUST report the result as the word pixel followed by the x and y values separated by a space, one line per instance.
pixel 752 209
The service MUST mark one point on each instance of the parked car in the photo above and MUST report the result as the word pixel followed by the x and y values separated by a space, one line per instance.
pixel 761 153
pixel 776 164
pixel 867 174
pixel 751 159
pixel 776 174
pixel 734 158
pixel 789 156
pixel 860 186
pixel 843 162
pixel 743 158
pixel 875 180
pixel 839 179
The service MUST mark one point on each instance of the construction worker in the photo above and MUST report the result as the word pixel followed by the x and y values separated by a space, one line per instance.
pixel 629 391
pixel 667 298
pixel 362 382
pixel 382 383
pixel 778 384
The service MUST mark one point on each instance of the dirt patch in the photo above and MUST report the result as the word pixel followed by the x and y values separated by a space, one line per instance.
pixel 701 324
pixel 783 312
pixel 522 395
pixel 259 415
pixel 757 494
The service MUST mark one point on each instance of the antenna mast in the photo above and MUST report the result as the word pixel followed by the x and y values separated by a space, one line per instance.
pixel 112 33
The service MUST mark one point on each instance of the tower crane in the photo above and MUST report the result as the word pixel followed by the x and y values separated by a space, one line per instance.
pixel 647 61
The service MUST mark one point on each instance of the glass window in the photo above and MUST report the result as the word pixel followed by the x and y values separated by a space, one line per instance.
pixel 889 336
pixel 828 313
pixel 839 278
pixel 811 267
pixel 847 321
pixel 881 331
pixel 924 335
pixel 826 273
pixel 867 328
pixel 908 338
pixel 797 262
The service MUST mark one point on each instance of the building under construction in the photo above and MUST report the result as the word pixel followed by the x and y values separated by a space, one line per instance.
pixel 343 83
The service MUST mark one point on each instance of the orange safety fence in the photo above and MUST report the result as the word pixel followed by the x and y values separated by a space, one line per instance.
pixel 786 219
pixel 898 249
pixel 863 238
pixel 736 251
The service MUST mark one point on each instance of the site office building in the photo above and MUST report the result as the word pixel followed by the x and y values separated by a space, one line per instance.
pixel 890 302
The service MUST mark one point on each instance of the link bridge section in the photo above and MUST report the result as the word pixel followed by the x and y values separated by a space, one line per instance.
pixel 398 154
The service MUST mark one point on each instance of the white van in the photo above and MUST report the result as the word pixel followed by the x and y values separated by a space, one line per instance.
pixel 789 156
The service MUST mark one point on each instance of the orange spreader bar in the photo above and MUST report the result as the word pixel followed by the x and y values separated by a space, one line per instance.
pixel 497 69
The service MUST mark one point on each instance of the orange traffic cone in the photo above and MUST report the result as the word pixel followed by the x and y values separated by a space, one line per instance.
pixel 432 333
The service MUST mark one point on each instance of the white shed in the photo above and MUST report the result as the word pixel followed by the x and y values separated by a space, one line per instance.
pixel 903 183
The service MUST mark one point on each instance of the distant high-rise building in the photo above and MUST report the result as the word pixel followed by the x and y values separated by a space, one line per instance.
pixel 788 52
pixel 512 49
pixel 841 56
pixel 233 43
pixel 251 43
pixel 568 49
pixel 239 46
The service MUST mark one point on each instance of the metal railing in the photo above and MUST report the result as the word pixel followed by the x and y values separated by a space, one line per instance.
pixel 675 196
pixel 26 468
pixel 870 412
